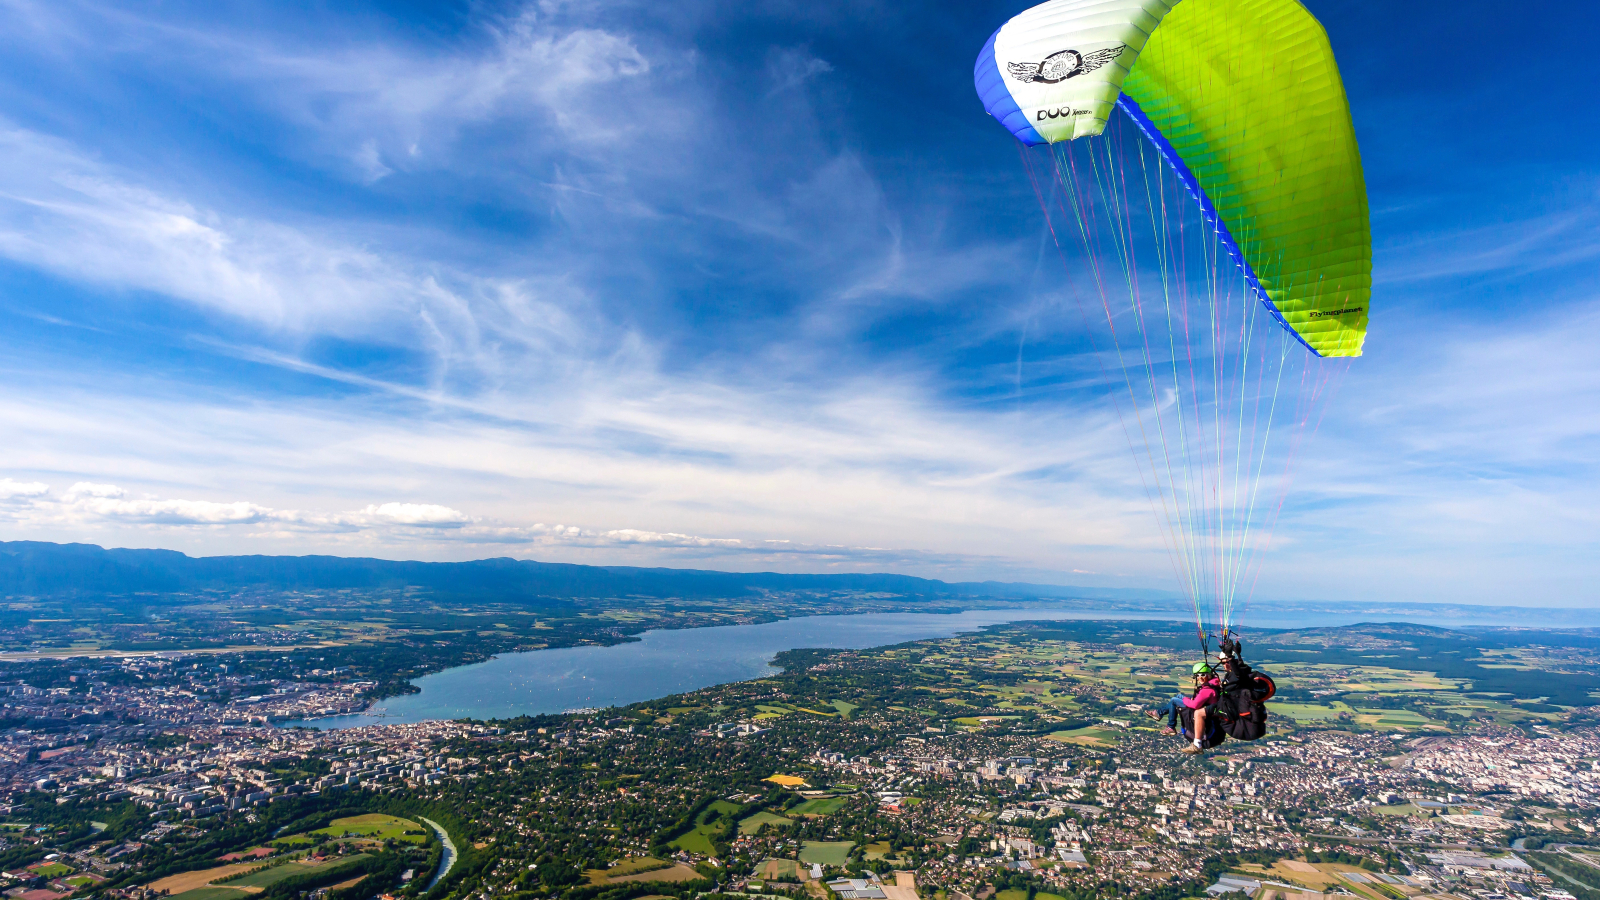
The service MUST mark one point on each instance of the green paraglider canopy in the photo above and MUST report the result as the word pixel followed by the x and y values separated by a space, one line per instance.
pixel 1244 99
pixel 1247 93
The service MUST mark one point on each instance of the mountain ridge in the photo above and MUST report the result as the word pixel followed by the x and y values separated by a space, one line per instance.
pixel 49 570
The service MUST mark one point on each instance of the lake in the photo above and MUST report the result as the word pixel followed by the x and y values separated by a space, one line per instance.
pixel 661 663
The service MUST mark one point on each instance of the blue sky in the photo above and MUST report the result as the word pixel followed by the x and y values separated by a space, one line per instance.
pixel 733 285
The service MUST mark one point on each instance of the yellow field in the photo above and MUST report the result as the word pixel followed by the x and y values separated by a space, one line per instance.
pixel 188 881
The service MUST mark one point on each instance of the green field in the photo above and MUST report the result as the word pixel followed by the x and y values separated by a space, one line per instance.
pixel 1307 712
pixel 822 806
pixel 53 870
pixel 1404 809
pixel 778 870
pixel 699 840
pixel 982 721
pixel 827 853
pixel 630 866
pixel 284 871
pixel 753 823
pixel 1385 719
pixel 210 893
pixel 1023 895
pixel 845 709
pixel 376 826
pixel 1092 736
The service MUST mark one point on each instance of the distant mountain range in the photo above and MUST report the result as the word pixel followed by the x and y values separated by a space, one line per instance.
pixel 45 570
pixel 85 571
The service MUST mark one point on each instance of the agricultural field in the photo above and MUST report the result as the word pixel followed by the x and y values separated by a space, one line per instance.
pixel 827 853
pixel 375 827
pixel 821 806
pixel 1318 877
pixel 1065 678
pixel 236 880
pixel 781 870
pixel 707 828
pixel 291 869
pixel 1023 895
pixel 674 872
pixel 631 866
pixel 1091 736
pixel 184 882
pixel 752 824
pixel 211 893
pixel 1311 712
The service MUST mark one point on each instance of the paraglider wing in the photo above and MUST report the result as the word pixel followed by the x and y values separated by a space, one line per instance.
pixel 1243 98
pixel 1248 94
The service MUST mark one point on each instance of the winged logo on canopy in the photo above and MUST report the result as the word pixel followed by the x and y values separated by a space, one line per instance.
pixel 1058 67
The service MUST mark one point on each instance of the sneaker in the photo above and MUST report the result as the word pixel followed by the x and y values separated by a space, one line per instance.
pixel 1191 748
pixel 1168 730
pixel 1151 714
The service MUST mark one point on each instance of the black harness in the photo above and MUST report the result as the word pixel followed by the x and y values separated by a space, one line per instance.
pixel 1241 708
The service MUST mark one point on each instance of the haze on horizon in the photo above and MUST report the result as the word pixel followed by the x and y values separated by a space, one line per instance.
pixel 734 286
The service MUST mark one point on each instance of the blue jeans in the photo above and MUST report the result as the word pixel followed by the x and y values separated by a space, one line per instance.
pixel 1170 710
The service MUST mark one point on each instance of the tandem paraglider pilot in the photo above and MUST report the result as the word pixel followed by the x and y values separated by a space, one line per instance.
pixel 1206 692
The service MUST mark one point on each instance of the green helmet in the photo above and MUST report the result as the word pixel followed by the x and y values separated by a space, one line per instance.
pixel 1202 668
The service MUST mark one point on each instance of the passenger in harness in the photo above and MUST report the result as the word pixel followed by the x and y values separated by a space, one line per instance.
pixel 1206 692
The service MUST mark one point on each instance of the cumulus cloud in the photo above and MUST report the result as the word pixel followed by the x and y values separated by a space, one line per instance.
pixel 425 515
pixel 175 512
pixel 635 536
pixel 98 506
pixel 109 502
pixel 90 502
pixel 21 491
pixel 85 489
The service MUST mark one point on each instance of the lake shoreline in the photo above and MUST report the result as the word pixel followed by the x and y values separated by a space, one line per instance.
pixel 662 662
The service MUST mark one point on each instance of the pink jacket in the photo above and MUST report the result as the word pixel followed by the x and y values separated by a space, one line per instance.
pixel 1206 696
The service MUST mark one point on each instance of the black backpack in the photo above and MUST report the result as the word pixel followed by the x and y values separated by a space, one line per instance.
pixel 1241 708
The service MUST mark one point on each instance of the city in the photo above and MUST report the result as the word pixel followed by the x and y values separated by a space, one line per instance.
pixel 864 774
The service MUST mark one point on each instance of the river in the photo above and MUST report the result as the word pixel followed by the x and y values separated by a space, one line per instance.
pixel 668 662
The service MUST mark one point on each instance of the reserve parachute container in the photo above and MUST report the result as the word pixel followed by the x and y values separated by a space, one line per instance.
pixel 1197 165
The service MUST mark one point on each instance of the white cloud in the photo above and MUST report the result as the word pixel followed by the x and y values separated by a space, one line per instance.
pixel 85 489
pixel 63 211
pixel 791 67
pixel 21 491
pixel 175 512
pixel 420 514
pixel 635 536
